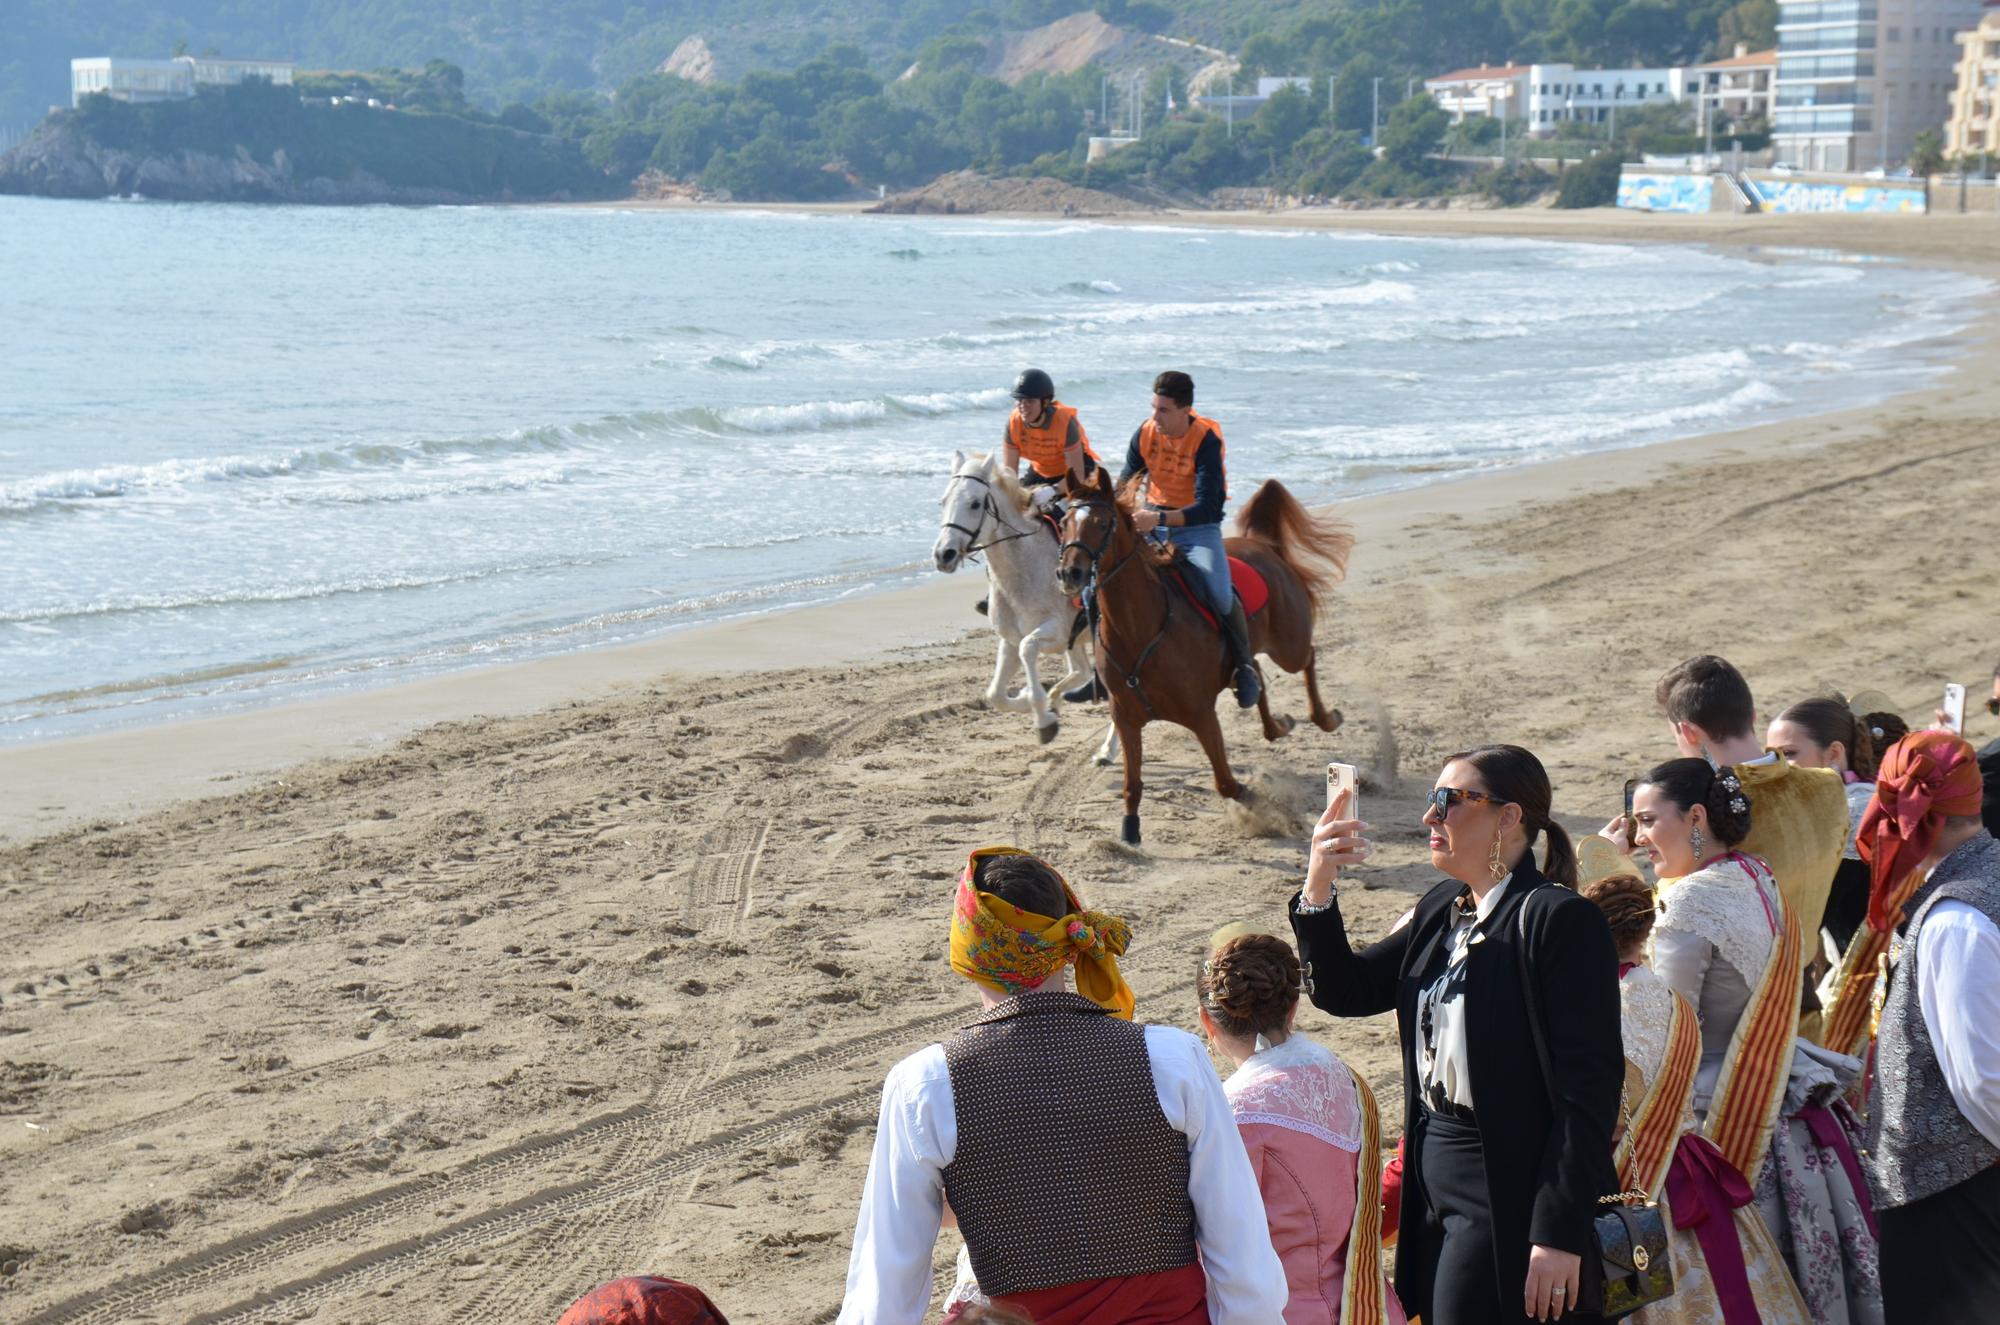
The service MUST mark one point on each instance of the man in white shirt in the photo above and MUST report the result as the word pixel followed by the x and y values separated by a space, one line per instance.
pixel 1934 1124
pixel 1092 1165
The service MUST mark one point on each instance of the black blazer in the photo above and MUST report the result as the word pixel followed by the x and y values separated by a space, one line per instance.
pixel 1547 1161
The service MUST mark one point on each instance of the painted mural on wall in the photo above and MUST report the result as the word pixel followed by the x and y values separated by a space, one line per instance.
pixel 1666 193
pixel 1775 194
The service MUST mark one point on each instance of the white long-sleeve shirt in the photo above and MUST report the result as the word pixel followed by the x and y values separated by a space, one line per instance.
pixel 902 1203
pixel 1958 988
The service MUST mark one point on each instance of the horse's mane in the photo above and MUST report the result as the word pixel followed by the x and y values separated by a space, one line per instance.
pixel 1127 497
pixel 1008 485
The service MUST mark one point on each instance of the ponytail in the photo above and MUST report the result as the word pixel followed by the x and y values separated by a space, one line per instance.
pixel 1559 857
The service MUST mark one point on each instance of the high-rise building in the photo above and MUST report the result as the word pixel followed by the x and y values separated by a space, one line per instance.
pixel 1973 128
pixel 1858 80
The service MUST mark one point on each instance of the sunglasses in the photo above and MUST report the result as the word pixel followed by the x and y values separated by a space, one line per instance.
pixel 1442 799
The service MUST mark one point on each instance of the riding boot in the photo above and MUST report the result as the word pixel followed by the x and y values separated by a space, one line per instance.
pixel 980 607
pixel 1241 661
pixel 1089 692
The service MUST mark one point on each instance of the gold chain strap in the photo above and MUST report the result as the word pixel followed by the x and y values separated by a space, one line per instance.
pixel 1624 1198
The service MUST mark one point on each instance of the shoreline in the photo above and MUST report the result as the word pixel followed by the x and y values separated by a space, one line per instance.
pixel 128 770
pixel 509 1006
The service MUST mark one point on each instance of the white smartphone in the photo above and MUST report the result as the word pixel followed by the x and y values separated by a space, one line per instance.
pixel 1344 777
pixel 1954 707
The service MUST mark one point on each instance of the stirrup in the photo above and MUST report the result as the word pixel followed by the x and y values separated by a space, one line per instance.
pixel 1090 691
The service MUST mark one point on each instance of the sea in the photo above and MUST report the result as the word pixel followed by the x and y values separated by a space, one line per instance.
pixel 250 454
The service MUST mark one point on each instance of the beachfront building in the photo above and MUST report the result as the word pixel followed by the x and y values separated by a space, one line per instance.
pixel 1973 128
pixel 1858 80
pixel 1242 105
pixel 1740 88
pixel 1497 91
pixel 123 78
pixel 1562 93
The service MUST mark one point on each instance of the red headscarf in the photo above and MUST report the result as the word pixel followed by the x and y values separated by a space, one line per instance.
pixel 1924 777
pixel 643 1300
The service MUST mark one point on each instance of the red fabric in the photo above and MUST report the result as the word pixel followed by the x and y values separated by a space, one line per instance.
pixel 1392 1196
pixel 1250 587
pixel 1702 1191
pixel 1172 1297
pixel 643 1299
pixel 1924 777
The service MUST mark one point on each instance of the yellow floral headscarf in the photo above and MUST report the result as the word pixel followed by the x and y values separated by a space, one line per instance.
pixel 1007 950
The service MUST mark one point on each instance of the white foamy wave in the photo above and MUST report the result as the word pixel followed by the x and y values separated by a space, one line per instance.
pixel 814 415
pixel 1092 287
pixel 285 593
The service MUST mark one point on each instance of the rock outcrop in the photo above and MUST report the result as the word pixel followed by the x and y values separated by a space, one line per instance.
pixel 968 193
pixel 692 60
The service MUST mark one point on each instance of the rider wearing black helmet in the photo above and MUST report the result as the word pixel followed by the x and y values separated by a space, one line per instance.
pixel 1044 432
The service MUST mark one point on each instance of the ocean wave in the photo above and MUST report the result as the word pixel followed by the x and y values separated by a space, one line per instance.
pixel 816 415
pixel 285 593
pixel 1091 287
pixel 906 254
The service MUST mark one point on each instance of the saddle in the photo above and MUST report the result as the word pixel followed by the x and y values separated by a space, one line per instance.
pixel 1250 587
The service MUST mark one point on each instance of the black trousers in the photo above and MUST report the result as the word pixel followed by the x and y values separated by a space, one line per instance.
pixel 1457 1279
pixel 1941 1255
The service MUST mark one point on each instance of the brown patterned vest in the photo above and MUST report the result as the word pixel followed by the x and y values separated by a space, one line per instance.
pixel 1065 1168
pixel 1919 1144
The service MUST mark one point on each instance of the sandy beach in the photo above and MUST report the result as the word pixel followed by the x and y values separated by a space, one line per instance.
pixel 448 1001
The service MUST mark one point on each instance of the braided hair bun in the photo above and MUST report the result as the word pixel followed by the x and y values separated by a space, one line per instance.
pixel 1628 907
pixel 1692 782
pixel 1250 984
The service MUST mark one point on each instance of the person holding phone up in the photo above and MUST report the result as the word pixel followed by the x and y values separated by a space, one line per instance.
pixel 1500 1180
pixel 1989 754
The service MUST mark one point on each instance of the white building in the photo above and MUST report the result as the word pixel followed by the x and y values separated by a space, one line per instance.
pixel 126 79
pixel 1497 91
pixel 1859 79
pixel 1742 87
pixel 1561 92
pixel 1242 105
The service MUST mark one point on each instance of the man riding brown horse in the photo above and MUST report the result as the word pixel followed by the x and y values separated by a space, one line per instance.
pixel 1179 455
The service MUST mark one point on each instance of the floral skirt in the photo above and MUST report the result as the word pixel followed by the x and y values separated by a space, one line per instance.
pixel 1819 1211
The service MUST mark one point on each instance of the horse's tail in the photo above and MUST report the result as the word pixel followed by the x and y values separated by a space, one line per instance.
pixel 1313 548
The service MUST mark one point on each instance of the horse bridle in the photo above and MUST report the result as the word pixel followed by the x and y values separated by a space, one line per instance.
pixel 972 543
pixel 1096 586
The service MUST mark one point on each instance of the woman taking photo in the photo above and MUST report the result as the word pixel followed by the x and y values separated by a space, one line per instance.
pixel 1500 1181
pixel 1728 944
pixel 1312 1131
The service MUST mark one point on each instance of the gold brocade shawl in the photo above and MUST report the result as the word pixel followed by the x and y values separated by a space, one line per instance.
pixel 1362 1299
pixel 1656 1016
pixel 1798 826
pixel 1752 1084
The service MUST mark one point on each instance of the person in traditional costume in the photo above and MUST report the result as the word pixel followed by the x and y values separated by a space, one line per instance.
pixel 1091 1163
pixel 1802 817
pixel 1727 1269
pixel 643 1299
pixel 1825 733
pixel 1312 1130
pixel 1934 1117
pixel 1728 941
pixel 1501 1181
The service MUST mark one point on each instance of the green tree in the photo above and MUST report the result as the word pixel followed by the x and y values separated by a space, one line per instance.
pixel 1414 130
pixel 1167 82
pixel 1591 183
pixel 1927 153
pixel 1753 23
pixel 1281 121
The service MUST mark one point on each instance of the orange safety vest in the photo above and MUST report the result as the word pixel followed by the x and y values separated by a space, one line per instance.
pixel 1170 461
pixel 1043 447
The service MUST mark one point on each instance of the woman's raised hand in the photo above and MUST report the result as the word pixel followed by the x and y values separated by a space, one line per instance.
pixel 1619 834
pixel 1337 842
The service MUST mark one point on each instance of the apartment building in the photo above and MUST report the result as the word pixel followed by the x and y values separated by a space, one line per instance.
pixel 1973 126
pixel 1857 80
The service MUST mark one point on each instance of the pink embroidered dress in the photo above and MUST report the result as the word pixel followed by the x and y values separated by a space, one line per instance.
pixel 1302 1118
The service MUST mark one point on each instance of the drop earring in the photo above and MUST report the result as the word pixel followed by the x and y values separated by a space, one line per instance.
pixel 1493 865
pixel 1694 844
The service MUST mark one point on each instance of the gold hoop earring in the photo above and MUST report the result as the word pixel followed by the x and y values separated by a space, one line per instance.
pixel 1493 865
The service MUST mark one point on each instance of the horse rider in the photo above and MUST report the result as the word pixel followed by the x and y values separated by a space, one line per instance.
pixel 1044 432
pixel 1180 455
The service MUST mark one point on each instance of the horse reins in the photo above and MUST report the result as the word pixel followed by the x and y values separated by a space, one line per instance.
pixel 972 543
pixel 1097 583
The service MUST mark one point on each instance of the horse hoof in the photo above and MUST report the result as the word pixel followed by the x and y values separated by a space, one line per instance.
pixel 1048 733
pixel 1129 830
pixel 1333 721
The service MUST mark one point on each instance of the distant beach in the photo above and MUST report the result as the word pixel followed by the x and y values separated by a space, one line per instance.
pixel 465 994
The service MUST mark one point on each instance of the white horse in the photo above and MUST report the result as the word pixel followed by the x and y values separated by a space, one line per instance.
pixel 988 510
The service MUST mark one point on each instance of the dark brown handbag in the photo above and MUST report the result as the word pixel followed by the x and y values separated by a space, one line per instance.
pixel 1630 1266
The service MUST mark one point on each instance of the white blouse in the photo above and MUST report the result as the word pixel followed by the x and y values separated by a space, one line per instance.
pixel 1442 1071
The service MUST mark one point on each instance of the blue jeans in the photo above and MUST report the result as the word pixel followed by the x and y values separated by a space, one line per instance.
pixel 1208 563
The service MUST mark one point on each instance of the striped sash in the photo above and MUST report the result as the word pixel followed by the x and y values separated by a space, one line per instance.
pixel 1647 1149
pixel 1848 1024
pixel 1753 1078
pixel 1361 1298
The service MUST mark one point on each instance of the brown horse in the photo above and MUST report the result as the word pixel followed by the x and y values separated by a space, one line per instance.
pixel 1158 658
